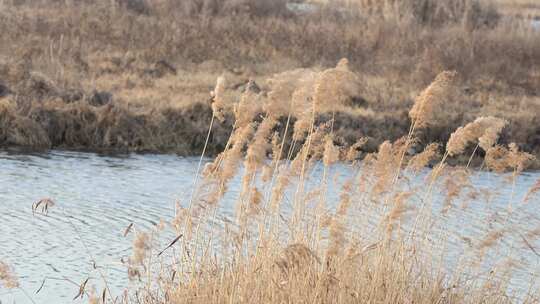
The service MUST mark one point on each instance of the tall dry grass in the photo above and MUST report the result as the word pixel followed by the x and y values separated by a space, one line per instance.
pixel 381 239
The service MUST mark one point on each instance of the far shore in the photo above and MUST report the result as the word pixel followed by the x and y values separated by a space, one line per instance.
pixel 70 77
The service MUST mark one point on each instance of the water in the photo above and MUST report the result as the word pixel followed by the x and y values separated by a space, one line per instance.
pixel 102 194
pixel 535 24
pixel 302 8
pixel 97 198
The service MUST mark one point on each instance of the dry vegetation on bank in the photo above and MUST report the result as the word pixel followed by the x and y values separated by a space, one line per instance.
pixel 134 75
pixel 384 238
pixel 522 8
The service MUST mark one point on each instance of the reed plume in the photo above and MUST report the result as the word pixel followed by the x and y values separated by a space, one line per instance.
pixel 501 159
pixel 283 181
pixel 304 107
pixel 384 164
pixel 220 103
pixel 427 103
pixel 334 87
pixel 257 150
pixel 485 130
pixel 353 150
pixel 337 226
pixel 7 277
pixel 532 191
pixel 268 169
pixel 398 210
pixel 331 153
pixel 455 184
pixel 312 150
pixel 282 87
pixel 421 160
pixel 141 245
pixel 249 106
pixel 491 239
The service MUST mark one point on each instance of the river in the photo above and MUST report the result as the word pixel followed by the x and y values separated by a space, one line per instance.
pixel 97 197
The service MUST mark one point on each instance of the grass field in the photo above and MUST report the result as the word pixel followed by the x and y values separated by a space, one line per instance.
pixel 80 75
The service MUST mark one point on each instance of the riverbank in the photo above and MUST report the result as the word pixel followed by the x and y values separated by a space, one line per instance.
pixel 128 78
pixel 101 121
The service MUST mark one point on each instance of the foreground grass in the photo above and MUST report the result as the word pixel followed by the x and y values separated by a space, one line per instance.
pixel 383 239
pixel 136 77
pixel 380 242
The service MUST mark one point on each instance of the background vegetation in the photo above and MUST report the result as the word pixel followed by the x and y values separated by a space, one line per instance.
pixel 134 75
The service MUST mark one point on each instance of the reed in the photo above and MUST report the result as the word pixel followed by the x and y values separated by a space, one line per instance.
pixel 7 276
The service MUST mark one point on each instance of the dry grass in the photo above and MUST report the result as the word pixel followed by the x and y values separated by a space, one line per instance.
pixel 379 243
pixel 524 8
pixel 62 61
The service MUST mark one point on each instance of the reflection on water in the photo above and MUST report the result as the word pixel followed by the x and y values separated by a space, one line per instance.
pixel 98 197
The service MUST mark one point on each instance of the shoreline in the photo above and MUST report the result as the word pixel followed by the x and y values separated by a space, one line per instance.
pixel 117 128
pixel 477 162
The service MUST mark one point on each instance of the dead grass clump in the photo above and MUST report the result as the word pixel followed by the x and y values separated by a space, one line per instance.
pixel 136 6
pixel 42 206
pixel 38 86
pixel 114 126
pixel 141 245
pixel 534 189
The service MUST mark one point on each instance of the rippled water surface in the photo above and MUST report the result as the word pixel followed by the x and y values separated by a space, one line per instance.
pixel 100 195
pixel 97 198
